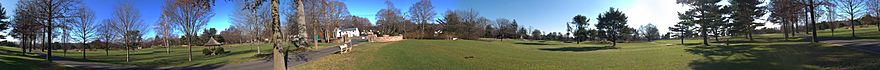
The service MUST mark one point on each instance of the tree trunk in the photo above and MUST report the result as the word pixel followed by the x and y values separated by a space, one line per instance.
pixel 48 44
pixel 795 29
pixel 813 21
pixel 189 45
pixel 682 38
pixel 127 52
pixel 852 25
pixel 728 42
pixel 167 46
pixel 751 38
pixel 65 50
pixel 279 57
pixel 786 29
pixel 107 49
pixel 716 35
pixel 705 36
pixel 84 50
pixel 24 47
pixel 256 31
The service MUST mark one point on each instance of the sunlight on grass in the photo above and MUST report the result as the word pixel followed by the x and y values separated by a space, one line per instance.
pixel 768 51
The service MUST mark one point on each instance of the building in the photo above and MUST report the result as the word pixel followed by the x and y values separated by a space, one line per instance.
pixel 347 32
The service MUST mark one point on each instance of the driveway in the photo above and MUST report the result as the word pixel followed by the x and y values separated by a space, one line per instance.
pixel 866 45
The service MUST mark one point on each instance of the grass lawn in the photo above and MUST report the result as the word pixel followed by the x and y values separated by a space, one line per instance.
pixel 768 51
pixel 323 45
pixel 149 57
pixel 178 56
pixel 11 59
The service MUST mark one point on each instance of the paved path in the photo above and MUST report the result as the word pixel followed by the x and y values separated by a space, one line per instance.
pixel 865 45
pixel 292 60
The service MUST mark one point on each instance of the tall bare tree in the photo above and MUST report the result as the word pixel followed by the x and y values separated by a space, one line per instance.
pixel 163 29
pixel 422 12
pixel 85 28
pixel 126 21
pixel 785 12
pixel 107 34
pixel 811 9
pixel 165 26
pixel 851 8
pixel 232 35
pixel 830 15
pixel 249 21
pixel 389 20
pixel 189 16
pixel 26 27
pixel 50 12
pixel 874 8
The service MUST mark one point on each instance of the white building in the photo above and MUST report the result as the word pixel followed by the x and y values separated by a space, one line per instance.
pixel 347 32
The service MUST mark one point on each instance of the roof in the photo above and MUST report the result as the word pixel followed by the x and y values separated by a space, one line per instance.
pixel 348 29
pixel 212 42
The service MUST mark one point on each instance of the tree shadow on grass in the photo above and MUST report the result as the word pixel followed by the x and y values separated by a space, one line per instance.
pixel 797 56
pixel 205 67
pixel 734 57
pixel 534 43
pixel 17 62
pixel 826 38
pixel 691 44
pixel 579 49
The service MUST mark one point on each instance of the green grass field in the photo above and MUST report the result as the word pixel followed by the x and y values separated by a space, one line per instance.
pixel 768 52
pixel 158 57
pixel 178 56
pixel 11 59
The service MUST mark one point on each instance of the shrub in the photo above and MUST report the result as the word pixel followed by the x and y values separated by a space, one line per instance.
pixel 213 51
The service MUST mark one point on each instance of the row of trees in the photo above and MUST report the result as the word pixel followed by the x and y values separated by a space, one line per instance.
pixel 41 22
pixel 710 19
pixel 467 24
pixel 267 23
pixel 36 22
pixel 611 28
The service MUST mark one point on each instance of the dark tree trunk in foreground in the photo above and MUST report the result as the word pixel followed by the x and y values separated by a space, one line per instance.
pixel 813 20
pixel 279 57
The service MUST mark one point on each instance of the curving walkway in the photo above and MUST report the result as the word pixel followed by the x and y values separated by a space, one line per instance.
pixel 865 45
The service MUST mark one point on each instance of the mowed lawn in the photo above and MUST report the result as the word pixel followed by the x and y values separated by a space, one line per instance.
pixel 767 52
pixel 11 59
pixel 178 55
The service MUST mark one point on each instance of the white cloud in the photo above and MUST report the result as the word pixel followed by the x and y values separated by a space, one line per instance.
pixel 662 13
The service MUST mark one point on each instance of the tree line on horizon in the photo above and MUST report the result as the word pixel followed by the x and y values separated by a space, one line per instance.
pixel 257 21
pixel 40 24
pixel 709 19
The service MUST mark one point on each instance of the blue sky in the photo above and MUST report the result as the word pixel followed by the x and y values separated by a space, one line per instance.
pixel 551 15
pixel 369 8
pixel 545 15
pixel 149 11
